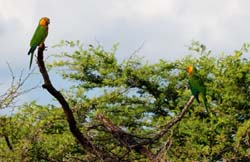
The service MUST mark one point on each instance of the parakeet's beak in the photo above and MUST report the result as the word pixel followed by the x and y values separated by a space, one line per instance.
pixel 47 21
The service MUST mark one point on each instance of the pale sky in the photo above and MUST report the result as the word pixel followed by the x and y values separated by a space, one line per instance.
pixel 165 26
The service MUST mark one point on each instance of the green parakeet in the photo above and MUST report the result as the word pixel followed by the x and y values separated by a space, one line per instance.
pixel 197 86
pixel 39 36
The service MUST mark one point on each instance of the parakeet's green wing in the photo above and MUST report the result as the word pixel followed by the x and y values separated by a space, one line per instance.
pixel 197 86
pixel 203 91
pixel 38 37
pixel 194 84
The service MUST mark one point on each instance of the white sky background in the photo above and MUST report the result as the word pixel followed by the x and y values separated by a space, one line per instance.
pixel 165 26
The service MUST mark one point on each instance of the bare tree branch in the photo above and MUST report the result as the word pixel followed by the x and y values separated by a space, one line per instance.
pixel 160 153
pixel 131 142
pixel 8 98
pixel 175 120
pixel 124 138
pixel 84 141
pixel 169 125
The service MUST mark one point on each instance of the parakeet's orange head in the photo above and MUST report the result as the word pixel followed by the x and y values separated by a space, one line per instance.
pixel 44 21
pixel 190 69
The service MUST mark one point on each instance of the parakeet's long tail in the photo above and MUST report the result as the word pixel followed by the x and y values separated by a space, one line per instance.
pixel 31 51
pixel 196 96
pixel 31 58
pixel 206 106
pixel 205 102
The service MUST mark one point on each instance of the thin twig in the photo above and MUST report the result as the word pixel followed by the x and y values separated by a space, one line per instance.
pixel 8 99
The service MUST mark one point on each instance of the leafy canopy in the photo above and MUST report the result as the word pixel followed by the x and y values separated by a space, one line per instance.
pixel 140 98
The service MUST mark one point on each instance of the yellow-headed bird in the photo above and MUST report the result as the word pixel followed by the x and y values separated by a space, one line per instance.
pixel 39 36
pixel 196 85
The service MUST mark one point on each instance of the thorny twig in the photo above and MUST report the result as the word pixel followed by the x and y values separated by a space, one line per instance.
pixel 8 98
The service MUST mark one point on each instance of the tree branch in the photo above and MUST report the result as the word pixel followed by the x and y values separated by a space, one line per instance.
pixel 160 153
pixel 130 142
pixel 124 138
pixel 175 120
pixel 85 143
pixel 8 98
pixel 8 142
pixel 170 124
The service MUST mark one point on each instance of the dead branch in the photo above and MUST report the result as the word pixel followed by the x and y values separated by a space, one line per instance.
pixel 175 120
pixel 131 142
pixel 124 138
pixel 84 141
pixel 8 98
pixel 160 153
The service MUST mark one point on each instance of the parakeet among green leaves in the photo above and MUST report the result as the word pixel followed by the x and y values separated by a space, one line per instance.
pixel 196 85
pixel 39 36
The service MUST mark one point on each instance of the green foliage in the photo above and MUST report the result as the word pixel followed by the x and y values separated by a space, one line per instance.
pixel 140 98
pixel 37 133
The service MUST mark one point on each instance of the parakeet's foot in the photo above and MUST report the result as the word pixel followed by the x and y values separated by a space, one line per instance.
pixel 41 45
